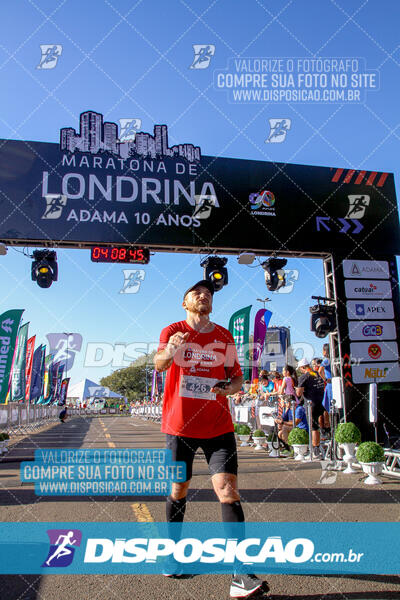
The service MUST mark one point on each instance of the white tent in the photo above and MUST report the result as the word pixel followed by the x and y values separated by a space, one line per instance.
pixel 86 392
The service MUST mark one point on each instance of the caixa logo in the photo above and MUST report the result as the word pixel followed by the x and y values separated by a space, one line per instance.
pixel 372 330
pixel 62 547
pixel 192 550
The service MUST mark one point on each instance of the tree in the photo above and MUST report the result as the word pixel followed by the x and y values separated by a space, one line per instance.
pixel 133 382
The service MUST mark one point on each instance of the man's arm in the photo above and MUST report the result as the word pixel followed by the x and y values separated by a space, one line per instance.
pixel 233 387
pixel 165 357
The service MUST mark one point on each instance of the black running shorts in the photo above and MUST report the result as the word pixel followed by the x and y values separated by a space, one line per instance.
pixel 316 411
pixel 220 452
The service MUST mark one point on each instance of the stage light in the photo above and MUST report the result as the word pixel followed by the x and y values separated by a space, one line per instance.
pixel 44 267
pixel 274 273
pixel 215 271
pixel 323 319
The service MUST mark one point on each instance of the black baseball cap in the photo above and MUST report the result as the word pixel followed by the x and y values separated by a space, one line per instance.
pixel 205 283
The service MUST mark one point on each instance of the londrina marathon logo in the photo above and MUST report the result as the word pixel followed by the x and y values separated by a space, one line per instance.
pixel 62 547
pixel 265 201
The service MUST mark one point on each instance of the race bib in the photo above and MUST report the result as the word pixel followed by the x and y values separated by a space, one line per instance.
pixel 197 387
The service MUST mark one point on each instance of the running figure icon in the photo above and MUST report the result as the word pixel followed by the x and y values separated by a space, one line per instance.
pixel 63 543
pixel 62 549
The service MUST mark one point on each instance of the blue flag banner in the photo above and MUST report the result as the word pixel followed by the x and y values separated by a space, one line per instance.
pixel 37 373
pixel 135 548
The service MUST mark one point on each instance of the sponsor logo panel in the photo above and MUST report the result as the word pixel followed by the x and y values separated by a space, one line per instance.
pixel 367 351
pixel 374 330
pixel 370 309
pixel 376 372
pixel 360 269
pixel 366 288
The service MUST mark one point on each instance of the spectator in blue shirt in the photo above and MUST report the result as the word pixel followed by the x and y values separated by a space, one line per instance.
pixel 285 424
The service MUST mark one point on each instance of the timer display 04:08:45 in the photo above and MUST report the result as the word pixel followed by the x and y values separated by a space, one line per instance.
pixel 120 254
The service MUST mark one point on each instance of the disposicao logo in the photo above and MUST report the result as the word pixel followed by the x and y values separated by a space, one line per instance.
pixel 62 547
pixel 192 550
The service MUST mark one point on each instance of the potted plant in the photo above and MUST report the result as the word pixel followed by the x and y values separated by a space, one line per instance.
pixel 258 437
pixel 347 436
pixel 273 445
pixel 299 439
pixel 371 457
pixel 244 434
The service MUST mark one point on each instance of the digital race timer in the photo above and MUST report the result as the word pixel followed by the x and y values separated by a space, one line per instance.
pixel 120 254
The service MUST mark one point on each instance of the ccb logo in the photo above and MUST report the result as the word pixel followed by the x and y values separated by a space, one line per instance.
pixel 265 198
pixel 372 330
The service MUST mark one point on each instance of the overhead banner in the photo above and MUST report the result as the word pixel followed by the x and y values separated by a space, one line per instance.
pixel 30 347
pixel 18 370
pixel 239 326
pixel 9 324
pixel 261 322
pixel 94 189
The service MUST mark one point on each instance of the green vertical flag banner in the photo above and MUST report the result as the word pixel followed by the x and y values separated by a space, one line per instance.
pixel 239 326
pixel 9 323
pixel 18 370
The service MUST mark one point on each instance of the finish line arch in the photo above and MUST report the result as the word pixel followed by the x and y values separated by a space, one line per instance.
pixel 93 189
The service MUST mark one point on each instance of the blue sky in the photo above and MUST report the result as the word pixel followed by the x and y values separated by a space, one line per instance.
pixel 131 60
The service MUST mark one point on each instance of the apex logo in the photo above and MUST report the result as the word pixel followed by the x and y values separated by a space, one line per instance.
pixel 62 547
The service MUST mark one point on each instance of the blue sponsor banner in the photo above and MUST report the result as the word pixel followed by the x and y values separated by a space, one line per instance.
pixel 101 472
pixel 140 548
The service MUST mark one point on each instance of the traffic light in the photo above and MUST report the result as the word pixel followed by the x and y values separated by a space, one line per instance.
pixel 215 271
pixel 44 267
pixel 274 273
pixel 323 319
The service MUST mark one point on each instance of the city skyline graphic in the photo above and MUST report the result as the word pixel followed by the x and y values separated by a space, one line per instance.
pixel 96 136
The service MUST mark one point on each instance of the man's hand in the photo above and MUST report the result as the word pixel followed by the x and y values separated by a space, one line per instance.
pixel 164 359
pixel 175 341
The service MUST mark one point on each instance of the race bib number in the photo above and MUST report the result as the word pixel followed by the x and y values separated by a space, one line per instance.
pixel 197 387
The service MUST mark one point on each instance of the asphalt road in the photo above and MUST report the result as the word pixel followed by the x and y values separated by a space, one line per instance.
pixel 271 490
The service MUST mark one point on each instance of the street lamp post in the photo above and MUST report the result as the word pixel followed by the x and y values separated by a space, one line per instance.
pixel 264 300
pixel 66 362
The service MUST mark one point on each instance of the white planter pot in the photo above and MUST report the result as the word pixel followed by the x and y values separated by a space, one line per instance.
pixel 349 456
pixel 300 451
pixel 244 439
pixel 372 469
pixel 258 441
pixel 273 452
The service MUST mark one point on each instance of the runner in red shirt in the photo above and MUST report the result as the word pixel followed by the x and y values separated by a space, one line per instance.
pixel 203 369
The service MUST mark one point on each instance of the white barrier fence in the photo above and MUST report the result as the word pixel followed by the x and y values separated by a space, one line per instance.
pixel 18 418
pixel 149 413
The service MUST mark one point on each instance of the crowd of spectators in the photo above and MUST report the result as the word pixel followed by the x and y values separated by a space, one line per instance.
pixel 311 380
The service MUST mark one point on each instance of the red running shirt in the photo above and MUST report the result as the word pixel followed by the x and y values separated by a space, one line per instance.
pixel 189 408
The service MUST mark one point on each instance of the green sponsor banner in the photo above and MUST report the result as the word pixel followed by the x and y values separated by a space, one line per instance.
pixel 239 326
pixel 18 370
pixel 9 323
